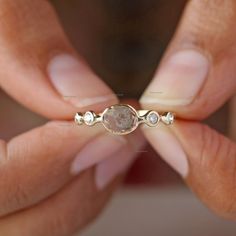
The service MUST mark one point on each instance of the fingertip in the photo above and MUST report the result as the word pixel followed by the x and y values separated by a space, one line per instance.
pixel 164 141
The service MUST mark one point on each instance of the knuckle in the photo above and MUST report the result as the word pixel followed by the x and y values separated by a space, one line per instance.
pixel 14 195
pixel 48 135
pixel 14 198
pixel 21 25
pixel 219 167
pixel 20 13
pixel 60 225
pixel 53 135
pixel 216 13
pixel 20 196
pixel 211 19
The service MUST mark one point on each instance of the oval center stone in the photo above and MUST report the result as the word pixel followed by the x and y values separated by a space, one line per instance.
pixel 120 119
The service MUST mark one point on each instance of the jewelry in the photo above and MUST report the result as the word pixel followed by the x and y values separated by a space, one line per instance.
pixel 123 119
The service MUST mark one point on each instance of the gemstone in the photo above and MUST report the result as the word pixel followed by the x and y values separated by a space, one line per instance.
pixel 120 119
pixel 168 118
pixel 153 118
pixel 88 118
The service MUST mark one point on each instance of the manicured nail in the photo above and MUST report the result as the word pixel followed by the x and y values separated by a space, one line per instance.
pixel 100 148
pixel 179 79
pixel 120 162
pixel 166 144
pixel 77 83
pixel 108 169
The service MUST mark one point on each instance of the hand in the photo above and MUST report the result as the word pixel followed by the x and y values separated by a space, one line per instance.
pixel 197 76
pixel 44 188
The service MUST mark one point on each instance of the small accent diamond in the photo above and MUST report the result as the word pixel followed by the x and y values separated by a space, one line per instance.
pixel 153 118
pixel 88 118
pixel 168 118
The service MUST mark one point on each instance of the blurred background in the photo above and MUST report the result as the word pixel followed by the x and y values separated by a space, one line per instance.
pixel 123 41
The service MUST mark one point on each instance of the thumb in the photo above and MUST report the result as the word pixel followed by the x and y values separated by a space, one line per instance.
pixel 39 67
pixel 196 77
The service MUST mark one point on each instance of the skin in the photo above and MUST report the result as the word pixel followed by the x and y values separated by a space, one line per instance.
pixel 28 159
pixel 210 155
pixel 36 182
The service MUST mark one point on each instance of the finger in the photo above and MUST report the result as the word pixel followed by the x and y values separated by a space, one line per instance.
pixel 196 75
pixel 38 163
pixel 39 67
pixel 205 158
pixel 195 78
pixel 63 213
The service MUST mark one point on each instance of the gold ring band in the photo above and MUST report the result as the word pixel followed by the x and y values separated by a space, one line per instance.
pixel 123 119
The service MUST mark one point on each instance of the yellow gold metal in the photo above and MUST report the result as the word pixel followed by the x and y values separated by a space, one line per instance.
pixel 123 119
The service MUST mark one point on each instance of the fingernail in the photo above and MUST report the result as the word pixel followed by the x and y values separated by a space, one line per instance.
pixel 100 148
pixel 166 144
pixel 108 169
pixel 76 83
pixel 120 162
pixel 179 79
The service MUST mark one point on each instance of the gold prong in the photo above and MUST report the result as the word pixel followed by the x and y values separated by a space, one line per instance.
pixel 79 118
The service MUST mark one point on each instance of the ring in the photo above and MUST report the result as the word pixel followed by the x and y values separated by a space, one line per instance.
pixel 123 119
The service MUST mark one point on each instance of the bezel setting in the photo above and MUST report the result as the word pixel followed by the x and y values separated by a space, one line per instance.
pixel 152 118
pixel 121 119
pixel 89 117
pixel 131 119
